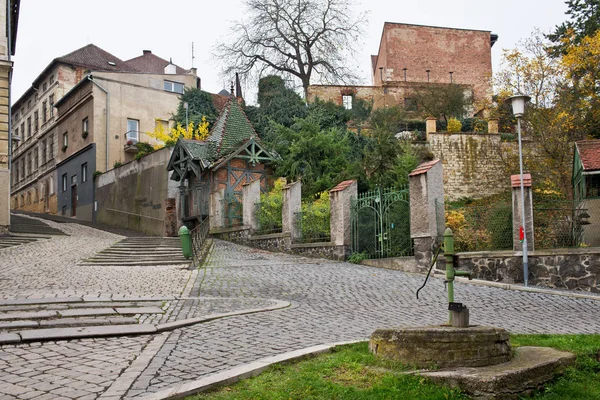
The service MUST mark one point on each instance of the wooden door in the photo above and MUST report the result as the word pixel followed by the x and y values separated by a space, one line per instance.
pixel 74 201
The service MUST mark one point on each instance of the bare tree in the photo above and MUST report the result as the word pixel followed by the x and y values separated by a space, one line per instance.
pixel 301 38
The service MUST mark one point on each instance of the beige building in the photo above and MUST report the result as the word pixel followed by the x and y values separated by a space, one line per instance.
pixel 9 17
pixel 79 116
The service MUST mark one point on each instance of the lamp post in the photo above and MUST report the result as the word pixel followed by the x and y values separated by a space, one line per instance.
pixel 185 105
pixel 518 107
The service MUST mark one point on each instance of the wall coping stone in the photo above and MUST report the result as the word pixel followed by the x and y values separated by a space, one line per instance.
pixel 217 231
pixel 315 244
pixel 536 253
pixel 271 236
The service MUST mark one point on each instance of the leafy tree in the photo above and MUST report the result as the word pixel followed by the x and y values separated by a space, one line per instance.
pixel 584 21
pixel 444 101
pixel 328 114
pixel 200 105
pixel 298 38
pixel 388 119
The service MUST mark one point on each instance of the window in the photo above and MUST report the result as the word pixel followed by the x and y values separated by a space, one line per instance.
pixel 16 167
pixel 28 127
pixel 64 182
pixel 51 101
pixel 43 152
pixel 44 111
pixel 51 148
pixel 36 120
pixel 85 126
pixel 36 164
pixel 133 127
pixel 29 197
pixel 65 139
pixel 51 79
pixel 35 97
pixel 29 104
pixel 592 186
pixel 16 133
pixel 23 130
pixel 410 104
pixel 45 86
pixel 347 102
pixel 36 198
pixel 175 87
pixel 51 185
pixel 22 200
pixel 23 169
pixel 28 164
pixel 83 172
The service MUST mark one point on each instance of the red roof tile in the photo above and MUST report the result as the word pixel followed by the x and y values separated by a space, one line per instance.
pixel 422 168
pixel 342 185
pixel 149 63
pixel 589 152
pixel 515 180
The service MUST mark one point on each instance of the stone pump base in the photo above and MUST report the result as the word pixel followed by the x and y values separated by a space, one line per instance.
pixel 442 346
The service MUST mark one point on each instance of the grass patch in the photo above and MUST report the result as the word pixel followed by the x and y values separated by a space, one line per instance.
pixel 351 372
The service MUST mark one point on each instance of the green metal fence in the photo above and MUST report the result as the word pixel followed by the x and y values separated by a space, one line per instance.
pixel 313 226
pixel 232 211
pixel 484 228
pixel 268 217
pixel 381 223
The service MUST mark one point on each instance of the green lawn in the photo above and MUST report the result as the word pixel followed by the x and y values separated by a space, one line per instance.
pixel 351 372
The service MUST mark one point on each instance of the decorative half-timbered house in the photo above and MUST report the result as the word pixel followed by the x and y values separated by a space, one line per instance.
pixel 231 156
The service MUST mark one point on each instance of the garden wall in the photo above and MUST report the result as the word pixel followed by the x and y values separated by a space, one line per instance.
pixel 573 269
pixel 281 242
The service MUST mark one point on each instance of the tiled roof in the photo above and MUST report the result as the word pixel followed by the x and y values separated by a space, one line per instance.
pixel 422 168
pixel 231 129
pixel 515 180
pixel 342 185
pixel 589 152
pixel 94 58
pixel 199 150
pixel 149 63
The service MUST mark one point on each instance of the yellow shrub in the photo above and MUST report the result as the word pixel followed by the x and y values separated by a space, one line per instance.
pixel 454 125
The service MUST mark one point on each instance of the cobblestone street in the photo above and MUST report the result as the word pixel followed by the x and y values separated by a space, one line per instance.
pixel 330 302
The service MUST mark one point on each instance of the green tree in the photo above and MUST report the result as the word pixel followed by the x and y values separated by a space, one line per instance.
pixel 200 105
pixel 584 21
pixel 444 101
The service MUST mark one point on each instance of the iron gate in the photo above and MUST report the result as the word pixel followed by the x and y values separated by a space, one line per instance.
pixel 381 223
pixel 232 211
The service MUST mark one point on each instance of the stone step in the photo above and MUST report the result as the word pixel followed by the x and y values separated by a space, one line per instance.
pixel 81 332
pixel 132 263
pixel 86 304
pixel 9 326
pixel 77 313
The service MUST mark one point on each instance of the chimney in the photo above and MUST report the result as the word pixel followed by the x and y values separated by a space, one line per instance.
pixel 147 52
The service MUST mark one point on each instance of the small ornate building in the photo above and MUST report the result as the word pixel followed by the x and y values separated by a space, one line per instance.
pixel 214 170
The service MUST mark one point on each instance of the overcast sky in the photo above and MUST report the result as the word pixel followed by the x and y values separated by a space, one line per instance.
pixel 49 29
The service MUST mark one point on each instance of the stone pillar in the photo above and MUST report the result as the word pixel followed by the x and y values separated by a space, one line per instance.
pixel 341 224
pixel 515 181
pixel 251 196
pixel 292 204
pixel 217 217
pixel 430 126
pixel 427 222
pixel 493 125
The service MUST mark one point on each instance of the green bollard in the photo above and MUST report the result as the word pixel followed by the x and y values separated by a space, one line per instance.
pixel 186 241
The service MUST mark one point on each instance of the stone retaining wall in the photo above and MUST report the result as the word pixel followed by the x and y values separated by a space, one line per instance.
pixel 281 242
pixel 573 269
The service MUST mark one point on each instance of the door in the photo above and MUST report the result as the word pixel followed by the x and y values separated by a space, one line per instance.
pixel 46 197
pixel 74 201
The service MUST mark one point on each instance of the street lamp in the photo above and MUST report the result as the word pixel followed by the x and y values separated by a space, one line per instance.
pixel 186 105
pixel 518 107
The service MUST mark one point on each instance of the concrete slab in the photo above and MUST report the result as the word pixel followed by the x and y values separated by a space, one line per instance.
pixel 9 338
pixel 85 332
pixel 530 369
pixel 85 312
pixel 49 300
pixel 65 322
pixel 139 310
pixel 18 324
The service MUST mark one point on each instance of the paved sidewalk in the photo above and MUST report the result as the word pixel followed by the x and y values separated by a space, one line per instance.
pixel 331 302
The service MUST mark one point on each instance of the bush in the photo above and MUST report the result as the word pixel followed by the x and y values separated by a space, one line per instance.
pixel 97 174
pixel 357 258
pixel 454 125
pixel 269 209
pixel 84 134
pixel 315 222
pixel 117 164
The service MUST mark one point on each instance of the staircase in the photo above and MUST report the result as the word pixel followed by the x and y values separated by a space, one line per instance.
pixel 140 251
pixel 26 230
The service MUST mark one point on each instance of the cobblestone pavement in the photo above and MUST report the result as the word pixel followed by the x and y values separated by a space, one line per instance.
pixel 331 301
pixel 334 302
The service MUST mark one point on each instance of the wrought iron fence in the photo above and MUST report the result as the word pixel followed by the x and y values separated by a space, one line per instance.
pixel 313 226
pixel 232 211
pixel 482 228
pixel 199 235
pixel 269 218
pixel 560 224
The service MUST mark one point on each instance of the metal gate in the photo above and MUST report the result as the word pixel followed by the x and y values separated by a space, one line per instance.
pixel 381 223
pixel 232 210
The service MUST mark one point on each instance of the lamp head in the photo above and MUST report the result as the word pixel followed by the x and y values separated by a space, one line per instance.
pixel 518 104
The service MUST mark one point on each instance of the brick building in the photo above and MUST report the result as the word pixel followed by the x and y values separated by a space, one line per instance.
pixel 411 57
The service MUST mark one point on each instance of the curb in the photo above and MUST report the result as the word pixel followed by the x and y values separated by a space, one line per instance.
pixel 243 371
pixel 54 334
